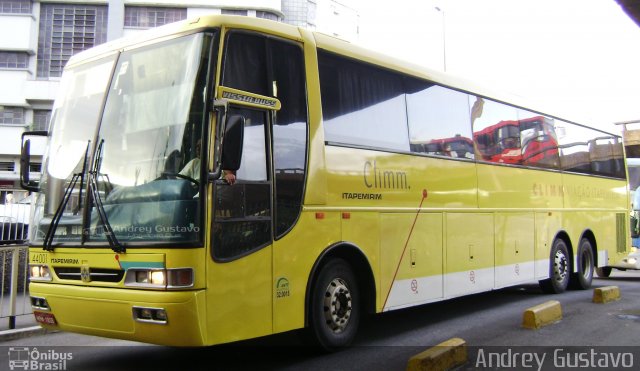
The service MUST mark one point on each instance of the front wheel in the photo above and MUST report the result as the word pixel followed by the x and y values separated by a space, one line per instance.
pixel 582 278
pixel 560 266
pixel 335 306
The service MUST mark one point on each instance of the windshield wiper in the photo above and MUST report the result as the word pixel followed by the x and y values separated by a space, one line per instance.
pixel 93 187
pixel 48 238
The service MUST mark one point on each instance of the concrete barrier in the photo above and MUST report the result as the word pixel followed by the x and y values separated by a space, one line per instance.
pixel 444 356
pixel 606 294
pixel 542 315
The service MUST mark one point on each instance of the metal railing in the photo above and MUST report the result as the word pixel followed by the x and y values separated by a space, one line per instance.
pixel 14 288
pixel 15 210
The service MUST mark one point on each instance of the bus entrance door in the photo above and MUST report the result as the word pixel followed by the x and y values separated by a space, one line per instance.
pixel 239 301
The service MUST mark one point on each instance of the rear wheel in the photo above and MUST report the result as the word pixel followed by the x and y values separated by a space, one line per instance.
pixel 582 278
pixel 560 266
pixel 335 306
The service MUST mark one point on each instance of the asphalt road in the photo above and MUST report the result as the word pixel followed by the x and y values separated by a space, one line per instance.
pixel 589 334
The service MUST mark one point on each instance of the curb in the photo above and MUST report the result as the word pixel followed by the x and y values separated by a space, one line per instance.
pixel 444 356
pixel 20 333
pixel 603 295
pixel 542 315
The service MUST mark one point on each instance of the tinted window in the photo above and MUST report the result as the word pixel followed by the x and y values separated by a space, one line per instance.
pixel 538 140
pixel 245 65
pixel 438 120
pixel 289 132
pixel 496 131
pixel 243 216
pixel 242 213
pixel 573 142
pixel 362 104
pixel 585 150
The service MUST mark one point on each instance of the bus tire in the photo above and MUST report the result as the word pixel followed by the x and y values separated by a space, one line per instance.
pixel 560 269
pixel 581 279
pixel 335 306
pixel 603 272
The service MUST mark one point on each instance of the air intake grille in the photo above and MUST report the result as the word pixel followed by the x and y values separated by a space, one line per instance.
pixel 621 232
pixel 96 274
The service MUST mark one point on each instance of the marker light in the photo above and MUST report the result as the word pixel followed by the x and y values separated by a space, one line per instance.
pixel 39 303
pixel 180 277
pixel 39 273
pixel 145 313
pixel 150 315
pixel 142 277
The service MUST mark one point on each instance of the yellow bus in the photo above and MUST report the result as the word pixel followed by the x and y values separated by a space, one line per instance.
pixel 226 178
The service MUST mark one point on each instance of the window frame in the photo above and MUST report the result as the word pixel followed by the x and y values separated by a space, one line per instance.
pixel 477 160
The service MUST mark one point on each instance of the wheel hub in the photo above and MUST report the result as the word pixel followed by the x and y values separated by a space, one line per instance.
pixel 560 266
pixel 337 305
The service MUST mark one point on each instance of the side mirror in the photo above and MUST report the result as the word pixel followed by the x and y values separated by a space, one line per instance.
pixel 25 160
pixel 233 141
pixel 635 232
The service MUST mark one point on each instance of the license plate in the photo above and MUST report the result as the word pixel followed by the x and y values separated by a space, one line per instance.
pixel 45 318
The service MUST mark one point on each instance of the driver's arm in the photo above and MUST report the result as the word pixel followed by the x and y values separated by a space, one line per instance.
pixel 229 176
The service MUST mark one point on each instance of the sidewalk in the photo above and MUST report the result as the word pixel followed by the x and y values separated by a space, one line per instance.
pixel 26 325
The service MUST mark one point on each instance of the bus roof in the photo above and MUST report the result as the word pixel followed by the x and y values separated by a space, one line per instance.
pixel 322 41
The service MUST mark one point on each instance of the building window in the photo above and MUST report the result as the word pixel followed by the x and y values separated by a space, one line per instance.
pixel 11 115
pixel 15 6
pixel 148 17
pixel 7 166
pixel 35 167
pixel 66 30
pixel 41 119
pixel 296 12
pixel 267 15
pixel 14 60
pixel 234 12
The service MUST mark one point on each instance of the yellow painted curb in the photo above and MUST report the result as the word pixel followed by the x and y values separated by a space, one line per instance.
pixel 444 356
pixel 606 294
pixel 542 315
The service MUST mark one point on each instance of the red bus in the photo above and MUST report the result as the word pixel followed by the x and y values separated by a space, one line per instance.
pixel 522 142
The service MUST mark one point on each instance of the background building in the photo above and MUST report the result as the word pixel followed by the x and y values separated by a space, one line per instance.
pixel 37 38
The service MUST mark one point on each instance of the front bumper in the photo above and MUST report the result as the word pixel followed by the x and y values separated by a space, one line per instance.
pixel 109 312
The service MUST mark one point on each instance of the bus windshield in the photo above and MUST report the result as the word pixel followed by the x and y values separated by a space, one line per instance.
pixel 132 174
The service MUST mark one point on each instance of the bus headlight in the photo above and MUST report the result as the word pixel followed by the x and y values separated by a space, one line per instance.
pixel 174 278
pixel 38 272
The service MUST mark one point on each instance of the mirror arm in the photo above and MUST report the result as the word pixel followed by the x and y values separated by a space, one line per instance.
pixel 220 106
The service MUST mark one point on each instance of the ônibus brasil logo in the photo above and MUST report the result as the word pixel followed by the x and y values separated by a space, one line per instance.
pixel 25 358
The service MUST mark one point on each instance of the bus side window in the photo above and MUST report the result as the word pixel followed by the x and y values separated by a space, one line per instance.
pixel 438 120
pixel 496 131
pixel 289 132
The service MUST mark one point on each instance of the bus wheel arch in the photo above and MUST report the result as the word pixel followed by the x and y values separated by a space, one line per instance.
pixel 586 261
pixel 343 273
pixel 560 265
